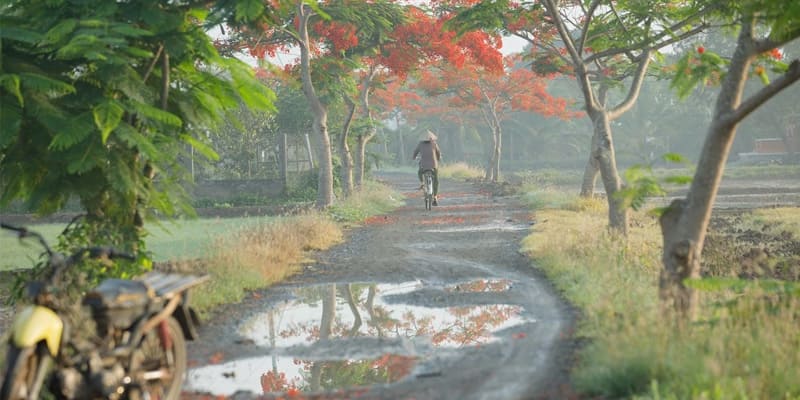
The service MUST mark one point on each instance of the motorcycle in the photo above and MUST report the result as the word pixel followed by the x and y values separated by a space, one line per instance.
pixel 136 345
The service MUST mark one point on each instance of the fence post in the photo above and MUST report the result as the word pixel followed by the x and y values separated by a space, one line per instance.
pixel 310 152
pixel 284 160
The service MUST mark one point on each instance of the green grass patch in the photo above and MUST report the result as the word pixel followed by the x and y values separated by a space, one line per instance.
pixel 743 347
pixel 179 239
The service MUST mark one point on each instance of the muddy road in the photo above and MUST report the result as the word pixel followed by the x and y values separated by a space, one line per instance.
pixel 414 305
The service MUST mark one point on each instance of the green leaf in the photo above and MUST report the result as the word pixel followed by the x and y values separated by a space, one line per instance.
pixel 674 158
pixel 764 78
pixel 10 123
pixel 135 139
pixel 49 86
pixel 249 10
pixel 60 31
pixel 131 31
pixel 148 112
pixel 68 137
pixel 201 147
pixel 16 33
pixel 87 160
pixel 11 83
pixel 106 117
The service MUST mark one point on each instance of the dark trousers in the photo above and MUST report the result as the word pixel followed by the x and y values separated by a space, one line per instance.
pixel 435 179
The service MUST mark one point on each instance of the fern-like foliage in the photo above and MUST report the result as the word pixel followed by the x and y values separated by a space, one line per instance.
pixel 88 111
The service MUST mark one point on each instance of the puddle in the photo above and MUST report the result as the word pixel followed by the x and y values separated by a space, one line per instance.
pixel 273 374
pixel 498 226
pixel 481 285
pixel 346 330
pixel 325 312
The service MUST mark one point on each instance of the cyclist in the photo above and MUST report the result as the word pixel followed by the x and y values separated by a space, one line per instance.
pixel 429 156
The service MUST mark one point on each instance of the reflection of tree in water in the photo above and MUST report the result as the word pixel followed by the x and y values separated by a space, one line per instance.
pixel 339 374
pixel 470 325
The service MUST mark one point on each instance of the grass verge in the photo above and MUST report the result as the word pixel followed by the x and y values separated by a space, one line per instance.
pixel 744 346
pixel 259 256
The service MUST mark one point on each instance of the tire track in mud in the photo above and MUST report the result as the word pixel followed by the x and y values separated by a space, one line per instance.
pixel 415 304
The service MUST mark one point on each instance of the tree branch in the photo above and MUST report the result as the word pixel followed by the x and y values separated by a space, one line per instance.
pixel 164 80
pixel 153 63
pixel 655 42
pixel 580 68
pixel 767 92
pixel 585 30
pixel 636 86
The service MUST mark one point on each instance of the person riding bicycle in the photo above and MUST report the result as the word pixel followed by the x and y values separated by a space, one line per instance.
pixel 429 156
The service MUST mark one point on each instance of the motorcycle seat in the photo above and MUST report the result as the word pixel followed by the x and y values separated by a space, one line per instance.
pixel 120 293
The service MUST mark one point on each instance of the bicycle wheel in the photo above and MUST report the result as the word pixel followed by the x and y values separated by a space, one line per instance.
pixel 163 367
pixel 25 374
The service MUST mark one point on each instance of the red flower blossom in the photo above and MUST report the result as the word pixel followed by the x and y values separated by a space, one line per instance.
pixel 701 49
pixel 775 53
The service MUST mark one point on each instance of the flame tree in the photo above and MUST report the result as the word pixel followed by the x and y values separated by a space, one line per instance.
pixel 605 45
pixel 496 94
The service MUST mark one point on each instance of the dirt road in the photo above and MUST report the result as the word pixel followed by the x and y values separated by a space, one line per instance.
pixel 415 305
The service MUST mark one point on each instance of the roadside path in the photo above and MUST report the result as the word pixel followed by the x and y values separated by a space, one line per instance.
pixel 414 305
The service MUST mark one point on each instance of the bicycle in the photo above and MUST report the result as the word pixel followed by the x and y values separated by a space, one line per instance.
pixel 427 187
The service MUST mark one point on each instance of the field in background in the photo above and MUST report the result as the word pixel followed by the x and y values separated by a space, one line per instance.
pixel 183 239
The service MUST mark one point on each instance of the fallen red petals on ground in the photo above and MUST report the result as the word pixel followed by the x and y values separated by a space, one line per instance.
pixel 380 220
pixel 216 358
pixel 442 220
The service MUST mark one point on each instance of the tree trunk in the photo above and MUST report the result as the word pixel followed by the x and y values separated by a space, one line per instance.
pixel 685 224
pixel 361 157
pixel 325 330
pixel 344 151
pixel 489 176
pixel 618 214
pixel 498 147
pixel 401 141
pixel 363 139
pixel 320 112
pixel 591 172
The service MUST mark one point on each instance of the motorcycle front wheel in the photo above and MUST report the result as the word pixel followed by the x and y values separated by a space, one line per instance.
pixel 163 366
pixel 26 369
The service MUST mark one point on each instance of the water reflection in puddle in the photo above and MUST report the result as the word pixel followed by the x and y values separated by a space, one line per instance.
pixel 271 374
pixel 358 310
pixel 497 226
pixel 481 285
pixel 332 317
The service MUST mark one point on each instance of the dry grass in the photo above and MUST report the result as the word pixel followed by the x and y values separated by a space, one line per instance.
pixel 744 346
pixel 461 171
pixel 259 256
pixel 263 255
